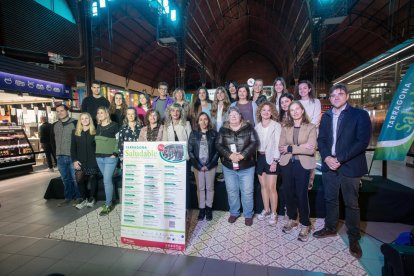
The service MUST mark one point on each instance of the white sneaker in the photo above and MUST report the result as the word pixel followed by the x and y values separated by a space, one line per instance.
pixel 263 215
pixel 272 219
pixel 81 205
pixel 91 203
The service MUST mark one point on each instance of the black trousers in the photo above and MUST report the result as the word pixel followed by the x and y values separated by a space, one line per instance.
pixel 49 154
pixel 295 181
pixel 83 181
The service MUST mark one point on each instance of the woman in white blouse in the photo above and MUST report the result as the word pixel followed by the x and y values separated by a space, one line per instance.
pixel 306 95
pixel 221 104
pixel 268 131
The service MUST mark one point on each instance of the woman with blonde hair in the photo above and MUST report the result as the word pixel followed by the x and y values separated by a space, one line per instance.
pixel 84 161
pixel 106 154
pixel 179 98
pixel 153 129
pixel 176 127
pixel 268 130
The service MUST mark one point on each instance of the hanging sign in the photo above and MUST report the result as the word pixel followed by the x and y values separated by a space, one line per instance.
pixel 32 86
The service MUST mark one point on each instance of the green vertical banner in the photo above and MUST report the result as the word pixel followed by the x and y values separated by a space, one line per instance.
pixel 397 132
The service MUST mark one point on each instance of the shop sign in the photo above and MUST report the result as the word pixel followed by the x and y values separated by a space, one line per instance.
pixel 33 86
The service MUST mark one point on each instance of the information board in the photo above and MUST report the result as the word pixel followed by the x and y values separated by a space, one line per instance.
pixel 154 194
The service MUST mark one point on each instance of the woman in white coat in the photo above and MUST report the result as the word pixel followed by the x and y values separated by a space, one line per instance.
pixel 176 127
pixel 268 156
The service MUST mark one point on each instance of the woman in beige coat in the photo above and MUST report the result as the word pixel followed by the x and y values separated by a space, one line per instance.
pixel 297 146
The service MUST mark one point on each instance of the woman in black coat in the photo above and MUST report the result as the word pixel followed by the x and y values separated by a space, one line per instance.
pixel 204 157
pixel 84 161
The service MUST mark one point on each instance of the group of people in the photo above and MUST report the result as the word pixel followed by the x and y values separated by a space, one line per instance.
pixel 250 134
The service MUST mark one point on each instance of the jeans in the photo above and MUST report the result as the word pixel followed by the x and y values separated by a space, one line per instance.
pixel 67 173
pixel 240 181
pixel 107 167
pixel 295 181
pixel 332 182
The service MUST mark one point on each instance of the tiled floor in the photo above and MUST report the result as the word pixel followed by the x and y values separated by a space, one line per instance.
pixel 26 219
pixel 259 244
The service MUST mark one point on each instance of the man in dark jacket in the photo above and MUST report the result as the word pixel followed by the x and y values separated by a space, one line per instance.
pixel 44 133
pixel 62 140
pixel 344 134
pixel 91 103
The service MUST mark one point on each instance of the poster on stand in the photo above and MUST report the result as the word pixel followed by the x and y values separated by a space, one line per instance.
pixel 154 194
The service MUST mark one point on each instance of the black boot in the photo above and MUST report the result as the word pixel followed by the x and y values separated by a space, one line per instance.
pixel 209 213
pixel 202 214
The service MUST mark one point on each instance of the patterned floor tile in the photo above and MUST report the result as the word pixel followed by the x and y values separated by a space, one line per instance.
pixel 259 244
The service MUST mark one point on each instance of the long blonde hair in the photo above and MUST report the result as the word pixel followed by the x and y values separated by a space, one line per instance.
pixel 168 118
pixel 79 127
pixel 106 111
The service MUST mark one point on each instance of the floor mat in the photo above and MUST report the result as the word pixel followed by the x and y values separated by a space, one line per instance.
pixel 259 244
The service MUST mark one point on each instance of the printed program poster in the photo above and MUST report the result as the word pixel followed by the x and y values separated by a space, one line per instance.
pixel 153 194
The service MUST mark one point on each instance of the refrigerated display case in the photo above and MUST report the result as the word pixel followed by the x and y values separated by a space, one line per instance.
pixel 16 152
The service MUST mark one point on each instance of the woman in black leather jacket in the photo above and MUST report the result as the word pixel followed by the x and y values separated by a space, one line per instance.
pixel 204 157
pixel 236 143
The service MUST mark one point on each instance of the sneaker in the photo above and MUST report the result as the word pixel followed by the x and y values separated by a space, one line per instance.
pixel 81 205
pixel 66 202
pixel 263 215
pixel 220 177
pixel 304 233
pixel 248 221
pixel 91 203
pixel 106 210
pixel 289 226
pixel 273 219
pixel 76 201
